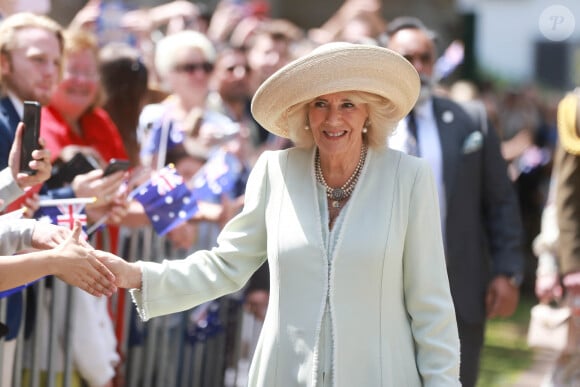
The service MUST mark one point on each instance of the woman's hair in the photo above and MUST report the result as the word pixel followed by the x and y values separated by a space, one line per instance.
pixel 77 39
pixel 124 81
pixel 170 45
pixel 380 123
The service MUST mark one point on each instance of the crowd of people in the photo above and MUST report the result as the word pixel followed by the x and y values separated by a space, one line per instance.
pixel 319 123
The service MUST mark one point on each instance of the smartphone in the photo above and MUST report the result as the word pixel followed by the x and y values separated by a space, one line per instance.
pixel 31 120
pixel 116 165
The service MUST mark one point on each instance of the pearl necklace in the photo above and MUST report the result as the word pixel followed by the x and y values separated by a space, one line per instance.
pixel 337 195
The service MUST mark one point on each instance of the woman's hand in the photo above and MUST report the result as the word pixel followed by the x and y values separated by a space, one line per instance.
pixel 75 264
pixel 219 213
pixel 184 235
pixel 114 212
pixel 68 152
pixel 93 184
pixel 572 282
pixel 87 16
pixel 32 204
pixel 127 274
pixel 49 236
pixel 548 287
pixel 226 17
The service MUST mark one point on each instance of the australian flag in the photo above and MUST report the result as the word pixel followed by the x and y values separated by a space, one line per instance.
pixel 220 175
pixel 166 199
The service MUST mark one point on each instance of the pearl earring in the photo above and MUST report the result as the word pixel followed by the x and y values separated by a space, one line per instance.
pixel 306 127
pixel 365 127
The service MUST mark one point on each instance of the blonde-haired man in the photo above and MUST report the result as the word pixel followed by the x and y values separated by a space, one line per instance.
pixel 30 58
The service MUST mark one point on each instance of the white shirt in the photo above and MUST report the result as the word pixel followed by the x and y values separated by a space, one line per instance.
pixel 17 102
pixel 429 147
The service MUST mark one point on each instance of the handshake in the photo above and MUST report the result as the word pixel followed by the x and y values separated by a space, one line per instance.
pixel 56 250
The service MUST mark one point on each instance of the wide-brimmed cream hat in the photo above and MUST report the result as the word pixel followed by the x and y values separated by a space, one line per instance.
pixel 331 68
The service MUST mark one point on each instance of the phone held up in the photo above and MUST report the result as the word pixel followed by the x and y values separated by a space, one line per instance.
pixel 30 136
pixel 116 165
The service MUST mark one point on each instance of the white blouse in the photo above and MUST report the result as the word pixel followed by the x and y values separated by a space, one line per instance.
pixel 324 348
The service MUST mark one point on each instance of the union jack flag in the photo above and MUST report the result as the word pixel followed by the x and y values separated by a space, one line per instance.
pixel 71 213
pixel 63 213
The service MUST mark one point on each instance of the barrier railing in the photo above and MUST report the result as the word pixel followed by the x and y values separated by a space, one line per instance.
pixel 194 348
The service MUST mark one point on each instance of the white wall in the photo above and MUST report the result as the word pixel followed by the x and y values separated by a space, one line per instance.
pixel 506 31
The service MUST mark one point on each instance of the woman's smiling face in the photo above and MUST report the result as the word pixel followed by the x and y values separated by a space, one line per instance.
pixel 336 121
pixel 80 84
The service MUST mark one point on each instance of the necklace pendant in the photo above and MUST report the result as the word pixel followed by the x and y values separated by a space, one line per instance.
pixel 335 204
pixel 338 194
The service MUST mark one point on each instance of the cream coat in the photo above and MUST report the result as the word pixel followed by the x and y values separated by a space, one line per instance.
pixel 393 318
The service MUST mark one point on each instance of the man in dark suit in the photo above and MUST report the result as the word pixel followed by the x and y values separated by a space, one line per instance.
pixel 31 49
pixel 479 209
pixel 30 58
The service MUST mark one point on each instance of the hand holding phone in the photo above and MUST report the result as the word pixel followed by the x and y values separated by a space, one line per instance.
pixel 65 173
pixel 116 165
pixel 30 135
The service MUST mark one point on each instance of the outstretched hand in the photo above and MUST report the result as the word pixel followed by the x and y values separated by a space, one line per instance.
pixel 49 236
pixel 76 264
pixel 127 274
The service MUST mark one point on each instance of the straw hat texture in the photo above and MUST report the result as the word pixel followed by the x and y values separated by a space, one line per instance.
pixel 336 67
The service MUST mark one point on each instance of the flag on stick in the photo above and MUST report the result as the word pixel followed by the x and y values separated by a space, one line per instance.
pixel 166 200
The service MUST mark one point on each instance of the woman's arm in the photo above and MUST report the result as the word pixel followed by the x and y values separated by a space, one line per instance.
pixel 72 261
pixel 175 285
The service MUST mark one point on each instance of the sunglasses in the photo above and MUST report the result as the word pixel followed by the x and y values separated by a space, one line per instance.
pixel 191 68
pixel 245 68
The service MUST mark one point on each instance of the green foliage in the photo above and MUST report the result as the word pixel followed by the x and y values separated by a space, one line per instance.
pixel 505 354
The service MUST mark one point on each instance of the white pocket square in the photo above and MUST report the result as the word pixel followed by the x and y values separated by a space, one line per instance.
pixel 473 142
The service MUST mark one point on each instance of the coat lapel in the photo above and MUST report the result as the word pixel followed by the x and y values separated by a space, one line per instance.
pixel 302 211
pixel 9 114
pixel 451 136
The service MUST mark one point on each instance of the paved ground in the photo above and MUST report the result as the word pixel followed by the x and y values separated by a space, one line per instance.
pixel 534 376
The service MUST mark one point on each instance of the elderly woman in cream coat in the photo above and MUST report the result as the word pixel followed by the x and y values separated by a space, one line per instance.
pixel 350 230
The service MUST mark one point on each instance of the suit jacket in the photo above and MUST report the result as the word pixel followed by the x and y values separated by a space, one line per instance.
pixel 386 283
pixel 484 233
pixel 9 120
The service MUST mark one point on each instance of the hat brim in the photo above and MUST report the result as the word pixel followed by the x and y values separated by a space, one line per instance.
pixel 333 68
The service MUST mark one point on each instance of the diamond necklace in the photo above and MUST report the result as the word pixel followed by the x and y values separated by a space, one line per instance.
pixel 337 195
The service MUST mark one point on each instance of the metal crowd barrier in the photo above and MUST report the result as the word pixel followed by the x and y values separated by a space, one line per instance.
pixel 195 348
